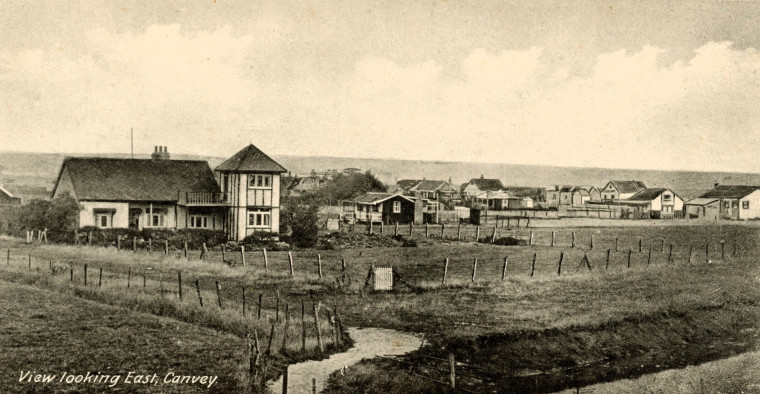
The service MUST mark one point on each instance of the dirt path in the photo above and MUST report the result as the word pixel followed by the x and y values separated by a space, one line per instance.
pixel 368 343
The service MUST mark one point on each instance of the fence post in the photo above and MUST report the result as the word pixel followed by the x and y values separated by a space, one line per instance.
pixel 474 268
pixel 591 247
pixel 71 272
pixel 639 245
pixel 504 270
pixel 443 229
pixel 100 277
pixel 258 315
pixel 179 284
pixel 85 274
pixel 459 231
pixel 662 245
pixel 243 295
pixel 266 261
pixel 649 255
pixel 218 294
pixel 290 262
pixel 145 279
pixel 530 241
pixel 277 308
pixel 573 243
pixel 369 229
pixel 552 239
pixel 452 372
pixel 285 380
pixel 185 249
pixel 316 324
pixel 204 252
pixel 129 276
pixel 411 228
pixel 707 252
pixel 285 330
pixel 8 257
pixel 559 266
pixel 734 254
pixel 30 262
pixel 477 233
pixel 198 290
pixel 722 247
pixel 313 385
pixel 166 247
pixel 629 258
pixel 670 254
pixel 616 244
pixel 493 235
pixel 319 265
pixel 533 265
pixel 607 262
pixel 382 229
pixel 343 270
pixel 303 325
pixel 242 253
pixel 395 229
pixel 150 245
pixel 445 270
pixel 134 244
pixel 427 230
pixel 689 261
pixel 118 242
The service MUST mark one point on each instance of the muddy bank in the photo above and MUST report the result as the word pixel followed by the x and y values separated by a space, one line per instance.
pixel 557 359
pixel 368 343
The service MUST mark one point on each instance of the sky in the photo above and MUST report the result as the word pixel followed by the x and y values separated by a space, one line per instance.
pixel 619 84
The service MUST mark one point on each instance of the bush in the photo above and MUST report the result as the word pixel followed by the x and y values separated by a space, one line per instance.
pixel 59 216
pixel 299 222
pixel 195 238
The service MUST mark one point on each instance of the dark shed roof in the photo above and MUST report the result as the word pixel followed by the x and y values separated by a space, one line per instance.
pixel 629 186
pixel 486 184
pixel 647 194
pixel 730 191
pixel 104 179
pixel 250 159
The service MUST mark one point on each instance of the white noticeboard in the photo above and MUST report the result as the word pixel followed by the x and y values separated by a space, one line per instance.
pixel 384 278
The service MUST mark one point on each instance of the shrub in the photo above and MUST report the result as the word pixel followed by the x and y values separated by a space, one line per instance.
pixel 300 221
pixel 59 216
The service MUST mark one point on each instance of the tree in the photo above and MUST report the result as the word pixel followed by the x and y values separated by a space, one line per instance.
pixel 59 216
pixel 301 219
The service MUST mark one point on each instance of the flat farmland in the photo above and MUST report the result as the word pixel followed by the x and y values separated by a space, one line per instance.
pixel 661 302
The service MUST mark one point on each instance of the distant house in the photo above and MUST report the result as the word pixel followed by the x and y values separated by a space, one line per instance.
pixel 306 184
pixel 160 193
pixel 501 201
pixel 593 193
pixel 566 195
pixel 351 171
pixel 6 198
pixel 735 202
pixel 534 193
pixel 28 192
pixel 621 190
pixel 404 185
pixel 387 208
pixel 660 203
pixel 478 185
pixel 702 208
pixel 551 195
pixel 441 191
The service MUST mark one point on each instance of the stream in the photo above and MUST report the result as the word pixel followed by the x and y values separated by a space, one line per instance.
pixel 368 343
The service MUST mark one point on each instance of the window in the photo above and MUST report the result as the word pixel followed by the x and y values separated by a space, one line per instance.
pixel 376 208
pixel 726 204
pixel 258 218
pixel 157 216
pixel 734 204
pixel 264 181
pixel 199 221
pixel 157 220
pixel 554 196
pixel 397 207
pixel 666 197
pixel 103 220
pixel 745 204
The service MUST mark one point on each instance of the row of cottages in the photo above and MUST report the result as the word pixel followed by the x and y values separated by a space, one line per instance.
pixel 556 196
pixel 241 196
pixel 728 202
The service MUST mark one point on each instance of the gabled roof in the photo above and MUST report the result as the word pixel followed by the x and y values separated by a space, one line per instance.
pixel 7 193
pixel 376 198
pixel 730 191
pixel 647 194
pixel 250 159
pixel 486 184
pixel 628 186
pixel 407 184
pixel 525 191
pixel 105 179
pixel 428 186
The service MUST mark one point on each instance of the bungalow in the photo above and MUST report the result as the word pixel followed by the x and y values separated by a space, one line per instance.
pixel 621 190
pixel 736 202
pixel 501 201
pixel 387 208
pixel 6 198
pixel 441 191
pixel 160 193
pixel 478 185
pixel 660 203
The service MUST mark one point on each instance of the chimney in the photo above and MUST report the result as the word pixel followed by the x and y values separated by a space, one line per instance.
pixel 160 153
pixel 481 176
pixel 716 184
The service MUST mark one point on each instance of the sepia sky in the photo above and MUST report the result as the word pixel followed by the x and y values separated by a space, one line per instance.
pixel 624 84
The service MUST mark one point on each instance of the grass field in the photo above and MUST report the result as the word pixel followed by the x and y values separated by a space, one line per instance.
pixel 545 322
pixel 49 333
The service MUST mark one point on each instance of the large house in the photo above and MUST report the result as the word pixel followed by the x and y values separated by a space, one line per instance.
pixel 621 190
pixel 160 193
pixel 658 203
pixel 478 185
pixel 735 202
pixel 441 191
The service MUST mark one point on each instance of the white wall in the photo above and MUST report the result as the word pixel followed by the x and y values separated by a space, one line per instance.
pixel 120 217
pixel 754 206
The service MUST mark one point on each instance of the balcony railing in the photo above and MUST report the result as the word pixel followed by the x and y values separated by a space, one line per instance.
pixel 191 198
